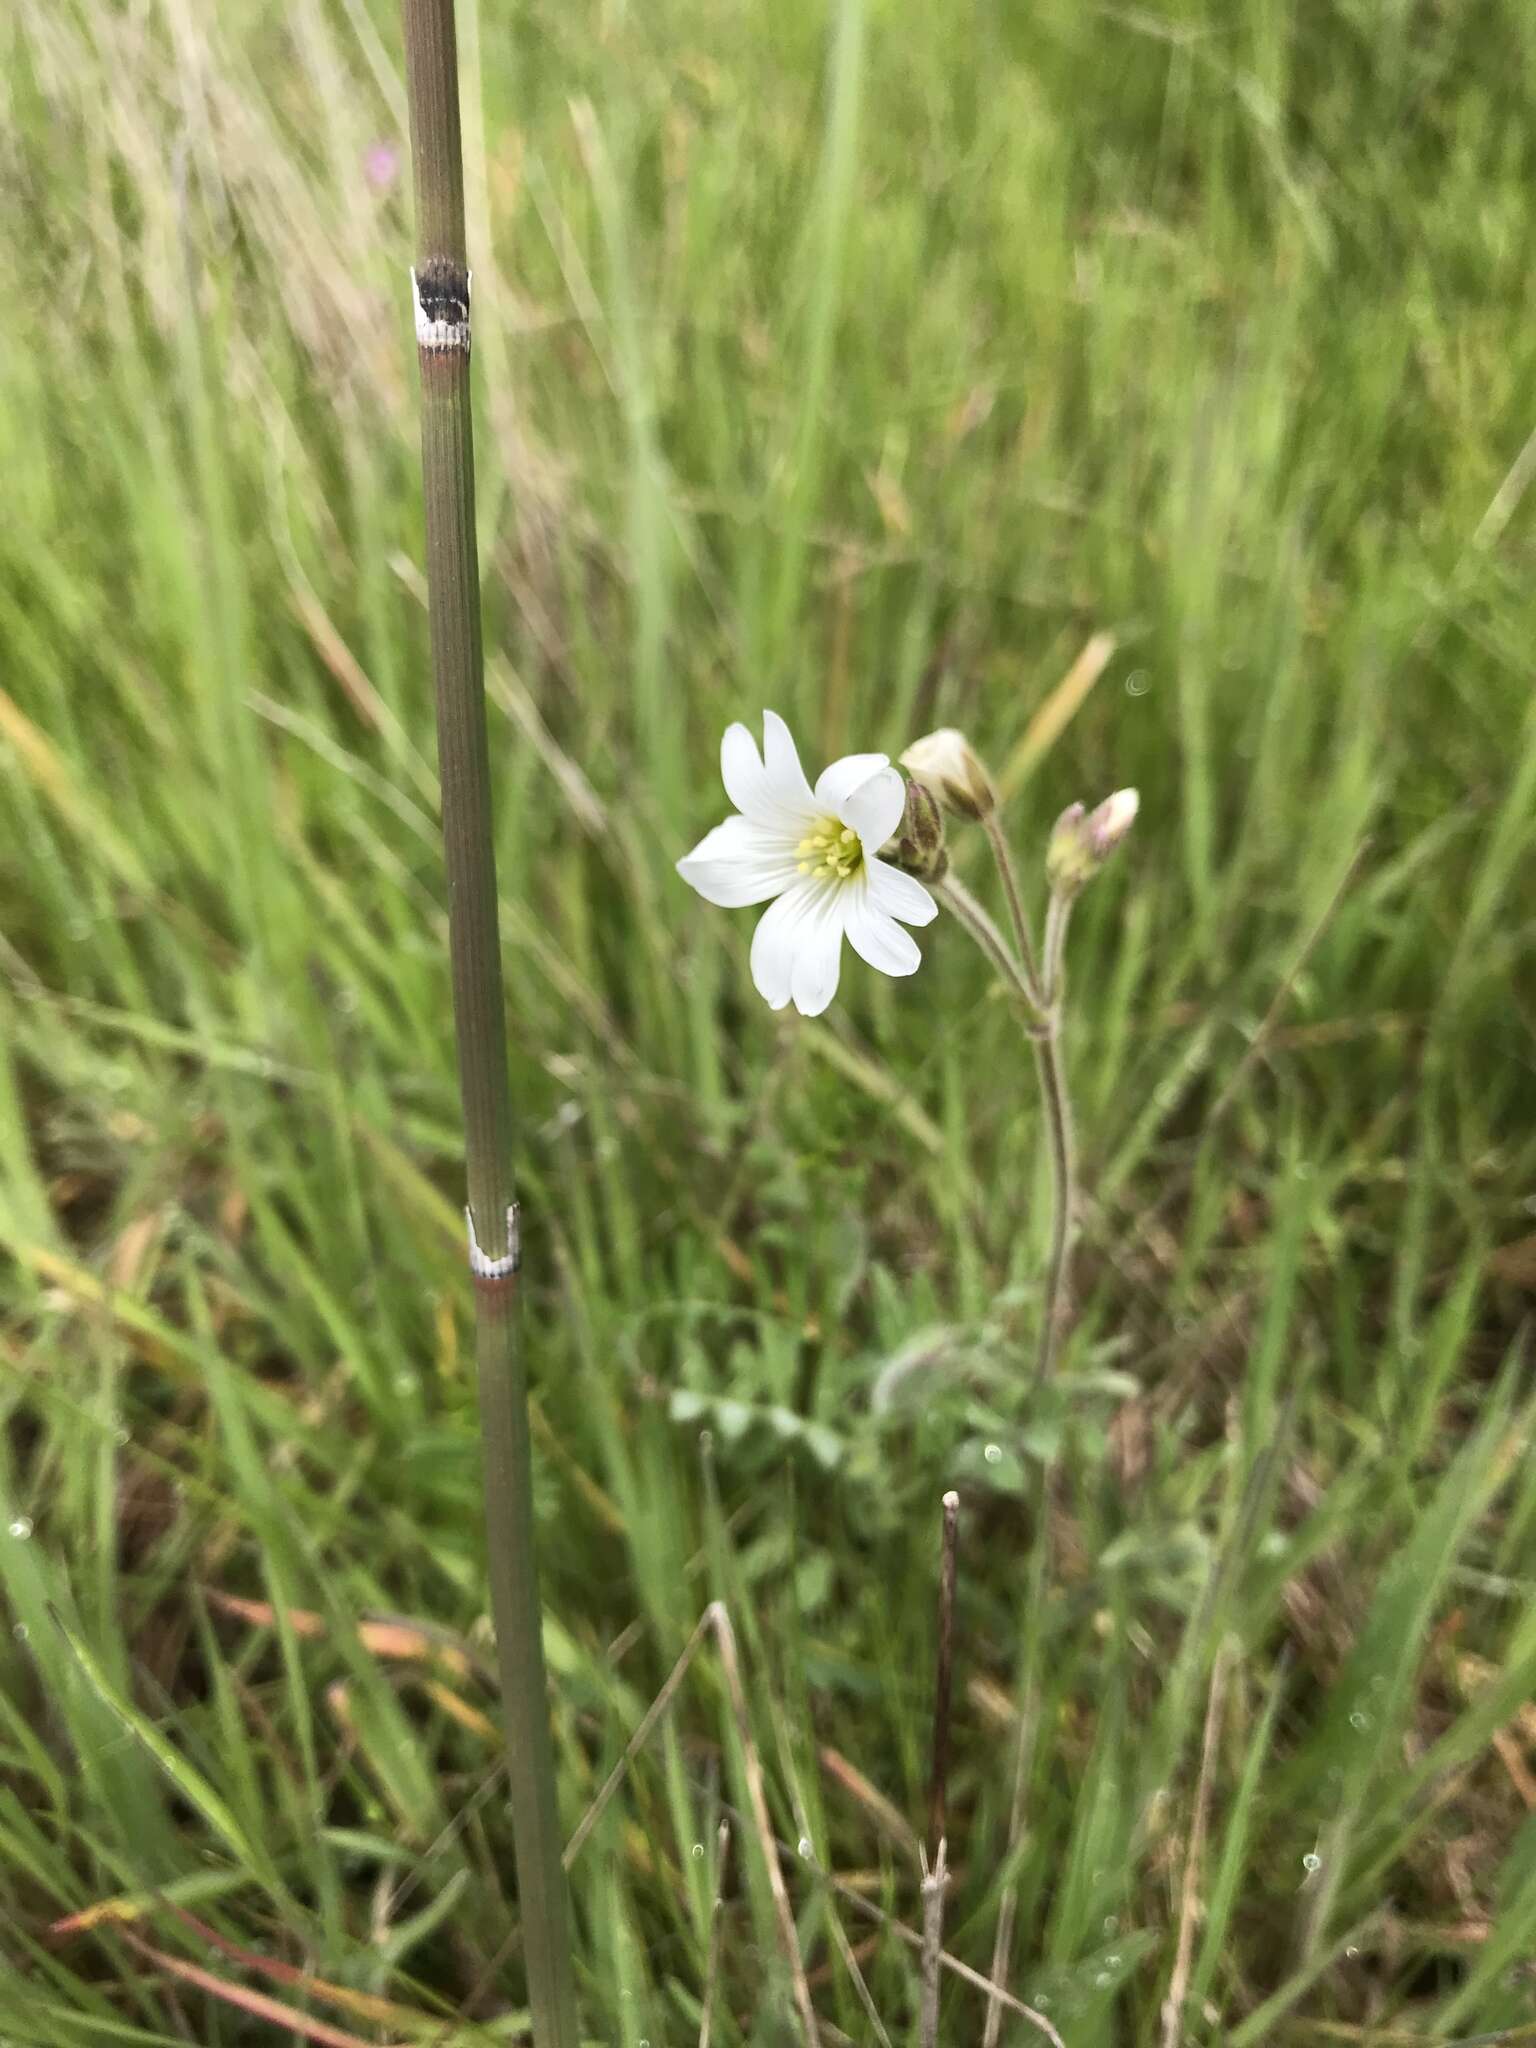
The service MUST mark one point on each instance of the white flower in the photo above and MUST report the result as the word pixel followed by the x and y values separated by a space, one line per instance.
pixel 814 854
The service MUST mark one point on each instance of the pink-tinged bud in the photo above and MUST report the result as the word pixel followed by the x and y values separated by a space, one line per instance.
pixel 1111 820
pixel 917 845
pixel 951 767
pixel 1082 840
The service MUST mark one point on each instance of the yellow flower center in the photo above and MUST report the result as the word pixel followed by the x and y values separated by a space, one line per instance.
pixel 834 852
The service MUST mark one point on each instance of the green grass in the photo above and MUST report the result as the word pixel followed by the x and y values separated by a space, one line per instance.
pixel 860 361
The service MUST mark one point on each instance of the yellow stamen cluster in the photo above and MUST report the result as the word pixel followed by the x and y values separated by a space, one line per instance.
pixel 833 852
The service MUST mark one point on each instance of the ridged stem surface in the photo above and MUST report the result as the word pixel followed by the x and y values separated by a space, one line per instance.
pixel 453 585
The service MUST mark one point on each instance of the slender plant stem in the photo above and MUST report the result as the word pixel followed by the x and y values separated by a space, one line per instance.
pixel 934 1885
pixel 1063 1148
pixel 1058 1119
pixel 1058 913
pixel 1189 1901
pixel 1043 1011
pixel 1018 916
pixel 943 1684
pixel 966 911
pixel 716 1917
pixel 1002 1940
pixel 453 586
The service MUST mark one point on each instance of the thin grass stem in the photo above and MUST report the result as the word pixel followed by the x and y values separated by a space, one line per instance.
pixel 716 1921
pixel 943 1689
pixel 1002 1943
pixel 850 1963
pixel 935 1885
pixel 441 289
pixel 858 1903
pixel 1189 1894
pixel 725 1639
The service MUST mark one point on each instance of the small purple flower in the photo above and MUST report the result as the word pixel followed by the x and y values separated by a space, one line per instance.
pixel 381 165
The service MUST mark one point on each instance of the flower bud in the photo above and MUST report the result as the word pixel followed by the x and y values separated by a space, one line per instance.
pixel 918 843
pixel 954 771
pixel 1082 840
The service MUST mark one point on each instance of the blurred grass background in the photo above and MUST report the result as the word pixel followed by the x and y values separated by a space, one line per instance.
pixel 865 362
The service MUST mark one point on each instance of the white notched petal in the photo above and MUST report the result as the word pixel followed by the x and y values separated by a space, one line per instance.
pixel 899 895
pixel 877 937
pixel 818 949
pixel 772 793
pixel 742 772
pixel 740 863
pixel 874 809
pixel 786 778
pixel 836 784
pixel 775 940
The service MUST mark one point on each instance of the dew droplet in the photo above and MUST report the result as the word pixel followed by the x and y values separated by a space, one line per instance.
pixel 1043 2000
pixel 1102 1979
pixel 1351 1951
pixel 993 1454
pixel 1311 1861
pixel 1111 1962
pixel 1137 683
pixel 21 1631
pixel 1111 1924
pixel 804 1845
pixel 21 1528
pixel 1359 1720
pixel 697 1852
pixel 120 1437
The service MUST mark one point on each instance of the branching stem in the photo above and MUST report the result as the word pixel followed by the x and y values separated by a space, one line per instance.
pixel 1002 853
pixel 966 911
pixel 1038 990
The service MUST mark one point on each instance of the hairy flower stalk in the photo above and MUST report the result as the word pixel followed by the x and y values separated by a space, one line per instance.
pixel 440 284
pixel 1079 846
pixel 1063 1143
